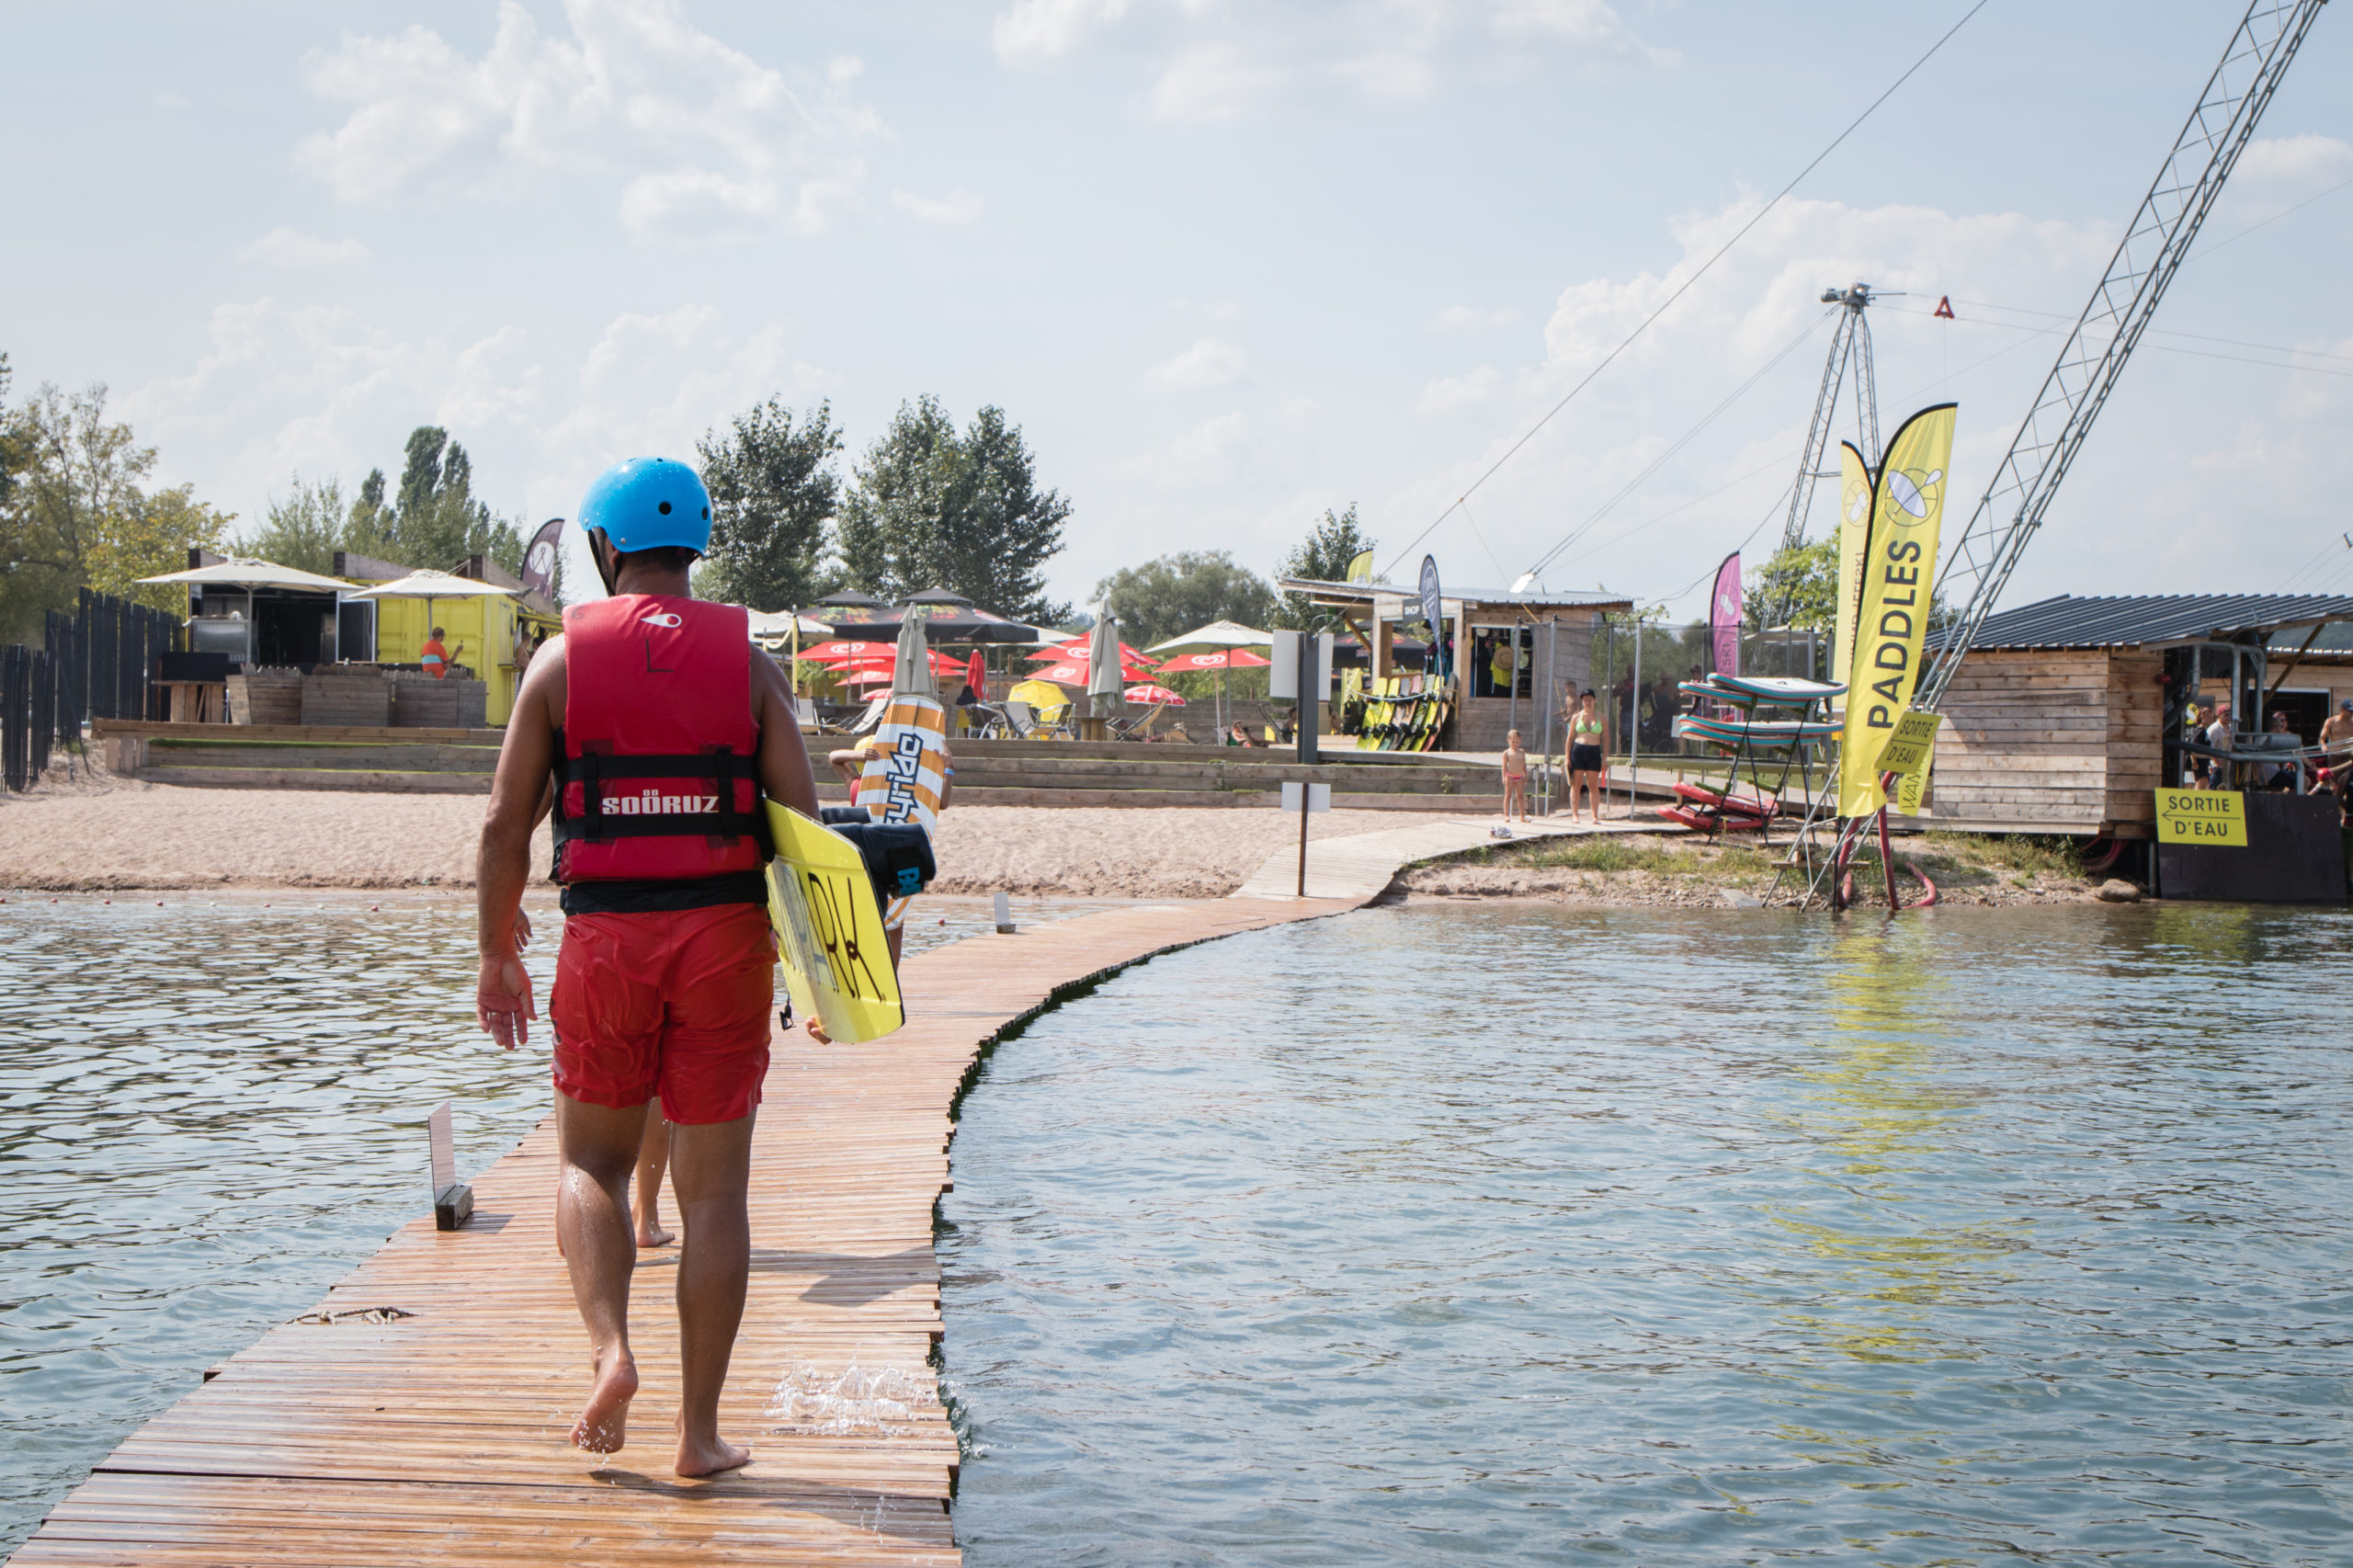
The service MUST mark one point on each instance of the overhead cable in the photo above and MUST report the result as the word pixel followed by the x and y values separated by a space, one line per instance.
pixel 1685 286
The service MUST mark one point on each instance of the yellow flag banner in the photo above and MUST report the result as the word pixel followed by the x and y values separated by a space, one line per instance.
pixel 1898 580
pixel 1854 535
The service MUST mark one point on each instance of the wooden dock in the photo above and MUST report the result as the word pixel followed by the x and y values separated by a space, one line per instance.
pixel 419 1415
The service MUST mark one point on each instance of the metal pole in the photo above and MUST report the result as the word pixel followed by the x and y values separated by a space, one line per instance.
pixel 1306 791
pixel 1551 678
pixel 1633 726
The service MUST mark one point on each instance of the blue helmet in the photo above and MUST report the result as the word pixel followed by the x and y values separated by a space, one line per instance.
pixel 647 502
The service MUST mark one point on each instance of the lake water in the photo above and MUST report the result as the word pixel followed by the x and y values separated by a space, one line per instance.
pixel 1455 1234
pixel 210 1108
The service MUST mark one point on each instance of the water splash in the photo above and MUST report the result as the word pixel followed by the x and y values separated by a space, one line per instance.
pixel 884 1403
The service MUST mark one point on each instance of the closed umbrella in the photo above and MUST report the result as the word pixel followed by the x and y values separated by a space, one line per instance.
pixel 911 676
pixel 976 676
pixel 1103 687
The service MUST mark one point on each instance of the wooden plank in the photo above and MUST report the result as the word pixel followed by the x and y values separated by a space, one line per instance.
pixel 438 1438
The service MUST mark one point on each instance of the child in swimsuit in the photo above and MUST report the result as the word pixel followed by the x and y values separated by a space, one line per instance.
pixel 1515 778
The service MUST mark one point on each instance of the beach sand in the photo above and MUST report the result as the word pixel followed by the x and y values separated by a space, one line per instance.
pixel 124 834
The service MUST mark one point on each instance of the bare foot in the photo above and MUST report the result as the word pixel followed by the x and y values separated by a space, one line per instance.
pixel 603 1425
pixel 713 1457
pixel 653 1235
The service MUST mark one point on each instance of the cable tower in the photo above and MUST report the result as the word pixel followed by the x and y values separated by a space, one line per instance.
pixel 2073 395
pixel 1850 345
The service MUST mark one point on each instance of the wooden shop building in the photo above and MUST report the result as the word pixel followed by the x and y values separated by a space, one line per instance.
pixel 2068 714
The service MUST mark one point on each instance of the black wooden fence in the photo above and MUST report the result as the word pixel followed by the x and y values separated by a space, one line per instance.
pixel 99 663
pixel 62 637
pixel 28 714
pixel 117 645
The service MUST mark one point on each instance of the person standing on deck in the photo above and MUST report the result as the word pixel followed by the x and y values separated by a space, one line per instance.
pixel 662 733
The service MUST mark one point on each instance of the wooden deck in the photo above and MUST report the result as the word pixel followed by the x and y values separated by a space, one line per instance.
pixel 439 1436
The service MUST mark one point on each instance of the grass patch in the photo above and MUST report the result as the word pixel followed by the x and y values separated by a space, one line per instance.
pixel 1679 858
pixel 1599 854
pixel 2018 855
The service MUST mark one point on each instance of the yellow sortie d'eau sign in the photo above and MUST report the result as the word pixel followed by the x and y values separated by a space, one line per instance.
pixel 1892 620
pixel 2215 817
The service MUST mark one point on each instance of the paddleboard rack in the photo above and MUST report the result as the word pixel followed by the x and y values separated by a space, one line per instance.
pixel 1761 724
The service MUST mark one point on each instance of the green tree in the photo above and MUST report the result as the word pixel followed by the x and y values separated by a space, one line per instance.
pixel 1163 598
pixel 1322 556
pixel 437 521
pixel 74 514
pixel 1798 588
pixel 930 507
pixel 773 489
pixel 12 458
pixel 369 530
pixel 304 528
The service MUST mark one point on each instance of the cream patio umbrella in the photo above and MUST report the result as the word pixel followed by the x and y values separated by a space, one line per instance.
pixel 428 585
pixel 1218 636
pixel 250 572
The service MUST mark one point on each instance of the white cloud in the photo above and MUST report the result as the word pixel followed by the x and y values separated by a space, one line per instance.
pixel 957 209
pixel 1450 393
pixel 1470 318
pixel 701 138
pixel 290 247
pixel 2194 447
pixel 322 389
pixel 1210 61
pixel 2309 159
pixel 1038 30
pixel 1208 363
pixel 1213 82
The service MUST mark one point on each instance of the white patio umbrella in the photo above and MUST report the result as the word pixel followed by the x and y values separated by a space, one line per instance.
pixel 250 572
pixel 428 585
pixel 1218 635
pixel 1105 690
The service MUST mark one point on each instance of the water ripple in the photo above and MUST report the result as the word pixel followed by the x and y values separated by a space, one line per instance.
pixel 1508 1235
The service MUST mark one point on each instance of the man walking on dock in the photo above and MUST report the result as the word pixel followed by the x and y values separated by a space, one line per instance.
pixel 661 732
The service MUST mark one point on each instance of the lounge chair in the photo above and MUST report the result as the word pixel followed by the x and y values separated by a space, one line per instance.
pixel 1028 726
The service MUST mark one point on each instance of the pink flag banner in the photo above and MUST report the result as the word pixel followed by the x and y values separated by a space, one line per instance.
pixel 1724 616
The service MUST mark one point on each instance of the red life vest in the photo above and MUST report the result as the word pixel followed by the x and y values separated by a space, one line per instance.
pixel 656 777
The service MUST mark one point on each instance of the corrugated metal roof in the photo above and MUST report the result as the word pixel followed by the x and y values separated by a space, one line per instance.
pixel 2127 621
pixel 1364 592
pixel 2336 637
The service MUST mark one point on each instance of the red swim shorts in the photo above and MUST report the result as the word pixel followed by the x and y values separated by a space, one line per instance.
pixel 675 1002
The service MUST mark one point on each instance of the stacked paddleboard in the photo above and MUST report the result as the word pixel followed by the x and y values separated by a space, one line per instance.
pixel 1746 717
pixel 1400 712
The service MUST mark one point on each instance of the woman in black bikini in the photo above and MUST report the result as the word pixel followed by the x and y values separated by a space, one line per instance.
pixel 1588 746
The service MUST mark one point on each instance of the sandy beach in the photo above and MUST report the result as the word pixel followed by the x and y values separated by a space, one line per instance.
pixel 97 832
pixel 110 835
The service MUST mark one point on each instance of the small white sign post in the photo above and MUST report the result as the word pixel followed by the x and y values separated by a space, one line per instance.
pixel 453 1204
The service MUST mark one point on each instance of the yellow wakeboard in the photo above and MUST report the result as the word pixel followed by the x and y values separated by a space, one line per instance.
pixel 829 930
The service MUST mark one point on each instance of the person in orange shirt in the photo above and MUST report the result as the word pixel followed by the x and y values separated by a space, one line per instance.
pixel 434 657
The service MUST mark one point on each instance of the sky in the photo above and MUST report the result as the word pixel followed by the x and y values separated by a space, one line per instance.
pixel 1227 265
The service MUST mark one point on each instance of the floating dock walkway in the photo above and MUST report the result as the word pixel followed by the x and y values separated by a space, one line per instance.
pixel 418 1416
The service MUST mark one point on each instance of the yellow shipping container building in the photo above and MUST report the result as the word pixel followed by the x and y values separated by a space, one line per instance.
pixel 486 634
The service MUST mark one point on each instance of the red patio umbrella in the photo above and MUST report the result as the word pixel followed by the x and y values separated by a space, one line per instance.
pixel 1224 659
pixel 976 676
pixel 1081 649
pixel 1159 694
